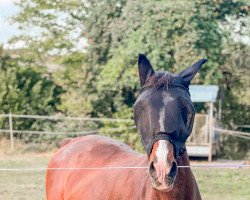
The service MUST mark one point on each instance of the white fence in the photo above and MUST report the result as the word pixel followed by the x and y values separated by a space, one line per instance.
pixel 12 130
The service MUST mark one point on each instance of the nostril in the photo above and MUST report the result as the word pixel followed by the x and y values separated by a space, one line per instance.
pixel 152 169
pixel 152 172
pixel 173 170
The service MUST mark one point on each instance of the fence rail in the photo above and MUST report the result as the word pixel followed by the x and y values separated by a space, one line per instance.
pixel 12 131
pixel 66 118
pixel 239 134
pixel 50 132
pixel 200 166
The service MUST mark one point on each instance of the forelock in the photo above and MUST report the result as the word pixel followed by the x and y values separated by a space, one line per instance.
pixel 159 79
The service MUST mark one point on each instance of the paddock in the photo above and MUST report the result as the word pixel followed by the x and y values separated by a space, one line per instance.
pixel 214 183
pixel 23 174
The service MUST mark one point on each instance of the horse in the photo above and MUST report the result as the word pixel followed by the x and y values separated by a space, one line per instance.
pixel 101 168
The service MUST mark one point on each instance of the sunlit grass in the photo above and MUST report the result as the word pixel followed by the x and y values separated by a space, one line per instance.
pixel 227 184
pixel 23 185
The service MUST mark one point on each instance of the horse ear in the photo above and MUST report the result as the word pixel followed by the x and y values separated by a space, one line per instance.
pixel 145 68
pixel 188 74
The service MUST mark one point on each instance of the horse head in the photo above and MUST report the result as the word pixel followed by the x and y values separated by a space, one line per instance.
pixel 164 115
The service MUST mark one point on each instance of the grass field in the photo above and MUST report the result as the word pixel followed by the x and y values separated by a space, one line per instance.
pixel 215 184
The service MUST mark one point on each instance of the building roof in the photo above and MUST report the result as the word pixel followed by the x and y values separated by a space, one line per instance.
pixel 203 93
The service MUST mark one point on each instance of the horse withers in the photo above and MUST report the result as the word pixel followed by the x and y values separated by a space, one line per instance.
pixel 100 168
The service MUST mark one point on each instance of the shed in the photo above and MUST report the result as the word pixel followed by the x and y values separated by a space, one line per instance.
pixel 203 141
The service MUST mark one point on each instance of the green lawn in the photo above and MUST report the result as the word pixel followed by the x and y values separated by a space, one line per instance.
pixel 23 185
pixel 223 184
pixel 215 184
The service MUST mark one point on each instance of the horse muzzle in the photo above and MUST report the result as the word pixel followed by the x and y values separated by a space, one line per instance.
pixel 163 177
pixel 163 167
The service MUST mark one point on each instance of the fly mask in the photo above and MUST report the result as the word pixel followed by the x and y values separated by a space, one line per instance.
pixel 163 109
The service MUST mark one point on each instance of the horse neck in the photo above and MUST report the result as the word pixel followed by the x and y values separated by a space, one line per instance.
pixel 183 160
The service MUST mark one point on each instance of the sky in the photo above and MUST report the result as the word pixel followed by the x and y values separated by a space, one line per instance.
pixel 7 9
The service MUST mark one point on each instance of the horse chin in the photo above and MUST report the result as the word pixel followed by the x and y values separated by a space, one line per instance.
pixel 163 188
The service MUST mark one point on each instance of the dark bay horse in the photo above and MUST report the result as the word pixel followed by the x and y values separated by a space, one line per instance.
pixel 164 115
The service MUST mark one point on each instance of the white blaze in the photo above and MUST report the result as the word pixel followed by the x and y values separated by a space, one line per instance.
pixel 162 152
pixel 166 98
pixel 161 166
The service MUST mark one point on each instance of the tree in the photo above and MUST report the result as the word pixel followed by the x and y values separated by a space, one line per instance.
pixel 26 89
pixel 173 34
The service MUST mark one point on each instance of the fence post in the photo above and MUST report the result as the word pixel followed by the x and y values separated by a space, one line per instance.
pixel 211 132
pixel 11 132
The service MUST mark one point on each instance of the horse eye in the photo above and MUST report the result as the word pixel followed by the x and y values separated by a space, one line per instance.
pixel 189 119
pixel 187 114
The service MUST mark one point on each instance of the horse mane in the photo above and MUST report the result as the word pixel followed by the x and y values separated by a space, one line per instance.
pixel 158 79
pixel 64 142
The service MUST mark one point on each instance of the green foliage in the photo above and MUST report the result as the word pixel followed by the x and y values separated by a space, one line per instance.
pixel 26 89
pixel 57 26
pixel 74 78
pixel 171 36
